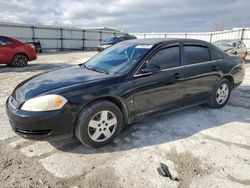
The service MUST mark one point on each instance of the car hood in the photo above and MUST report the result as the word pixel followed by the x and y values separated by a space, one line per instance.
pixel 226 48
pixel 46 82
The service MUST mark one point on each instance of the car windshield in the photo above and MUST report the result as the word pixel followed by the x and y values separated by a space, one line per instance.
pixel 226 43
pixel 111 40
pixel 118 59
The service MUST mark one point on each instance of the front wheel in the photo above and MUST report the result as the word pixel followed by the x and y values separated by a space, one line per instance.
pixel 220 94
pixel 98 124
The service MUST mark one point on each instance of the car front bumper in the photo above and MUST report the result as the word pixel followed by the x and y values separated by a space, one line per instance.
pixel 41 125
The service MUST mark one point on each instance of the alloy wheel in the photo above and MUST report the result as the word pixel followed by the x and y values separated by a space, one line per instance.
pixel 20 60
pixel 102 126
pixel 222 93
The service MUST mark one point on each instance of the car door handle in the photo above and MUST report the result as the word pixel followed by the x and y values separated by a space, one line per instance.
pixel 178 75
pixel 215 68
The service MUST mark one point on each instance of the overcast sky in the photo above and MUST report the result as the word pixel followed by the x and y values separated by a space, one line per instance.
pixel 130 15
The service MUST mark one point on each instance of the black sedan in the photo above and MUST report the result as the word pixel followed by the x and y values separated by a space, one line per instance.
pixel 94 101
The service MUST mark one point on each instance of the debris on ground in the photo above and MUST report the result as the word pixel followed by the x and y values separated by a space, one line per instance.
pixel 164 171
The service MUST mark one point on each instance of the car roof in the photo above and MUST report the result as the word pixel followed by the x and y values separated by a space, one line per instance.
pixel 155 41
pixel 123 35
pixel 6 37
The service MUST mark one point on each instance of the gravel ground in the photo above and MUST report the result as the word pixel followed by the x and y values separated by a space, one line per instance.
pixel 202 147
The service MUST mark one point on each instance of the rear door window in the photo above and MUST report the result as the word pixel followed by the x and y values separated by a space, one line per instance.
pixel 196 54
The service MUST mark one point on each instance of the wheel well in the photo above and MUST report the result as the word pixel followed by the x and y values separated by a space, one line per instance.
pixel 21 53
pixel 120 105
pixel 114 100
pixel 230 79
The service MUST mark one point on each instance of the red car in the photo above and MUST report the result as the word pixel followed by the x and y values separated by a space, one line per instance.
pixel 16 53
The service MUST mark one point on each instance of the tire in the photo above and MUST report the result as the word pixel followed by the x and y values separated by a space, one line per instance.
pixel 217 100
pixel 20 60
pixel 93 129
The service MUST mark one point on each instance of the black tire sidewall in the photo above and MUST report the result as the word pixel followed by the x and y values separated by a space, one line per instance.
pixel 16 65
pixel 85 115
pixel 214 102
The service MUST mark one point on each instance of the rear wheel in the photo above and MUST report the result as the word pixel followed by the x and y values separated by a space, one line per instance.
pixel 20 60
pixel 221 94
pixel 98 124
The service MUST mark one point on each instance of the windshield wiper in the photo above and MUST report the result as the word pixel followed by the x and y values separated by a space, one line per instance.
pixel 94 69
pixel 98 70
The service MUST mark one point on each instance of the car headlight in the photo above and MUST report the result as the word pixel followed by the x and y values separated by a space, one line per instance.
pixel 44 103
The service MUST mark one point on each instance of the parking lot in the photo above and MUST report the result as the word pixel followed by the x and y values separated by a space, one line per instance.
pixel 203 147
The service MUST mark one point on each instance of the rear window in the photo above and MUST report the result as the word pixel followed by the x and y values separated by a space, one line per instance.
pixel 4 41
pixel 196 54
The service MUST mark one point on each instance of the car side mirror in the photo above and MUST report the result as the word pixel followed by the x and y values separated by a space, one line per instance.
pixel 150 68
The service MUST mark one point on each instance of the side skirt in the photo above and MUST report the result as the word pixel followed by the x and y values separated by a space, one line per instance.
pixel 164 111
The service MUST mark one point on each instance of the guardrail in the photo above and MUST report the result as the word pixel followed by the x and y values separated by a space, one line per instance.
pixel 242 33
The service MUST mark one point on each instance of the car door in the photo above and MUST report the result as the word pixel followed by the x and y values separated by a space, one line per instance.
pixel 6 52
pixel 161 90
pixel 201 72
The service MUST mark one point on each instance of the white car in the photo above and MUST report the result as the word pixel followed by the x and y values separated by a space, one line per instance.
pixel 235 47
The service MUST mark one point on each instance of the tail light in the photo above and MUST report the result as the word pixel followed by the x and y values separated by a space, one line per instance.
pixel 32 46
